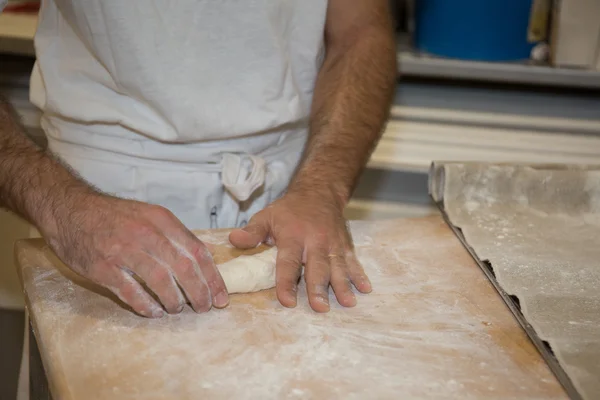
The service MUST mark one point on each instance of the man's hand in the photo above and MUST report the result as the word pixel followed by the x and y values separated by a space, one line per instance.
pixel 351 103
pixel 310 230
pixel 111 241
pixel 108 240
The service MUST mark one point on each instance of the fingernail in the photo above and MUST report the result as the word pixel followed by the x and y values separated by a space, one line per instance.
pixel 352 302
pixel 288 299
pixel 222 299
pixel 322 299
pixel 293 302
pixel 364 284
pixel 180 308
pixel 158 313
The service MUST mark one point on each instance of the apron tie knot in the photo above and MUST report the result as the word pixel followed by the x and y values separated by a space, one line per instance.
pixel 242 174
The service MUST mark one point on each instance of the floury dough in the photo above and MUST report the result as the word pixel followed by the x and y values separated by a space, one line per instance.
pixel 246 274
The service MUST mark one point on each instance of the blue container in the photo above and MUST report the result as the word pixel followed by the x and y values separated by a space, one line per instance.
pixel 485 30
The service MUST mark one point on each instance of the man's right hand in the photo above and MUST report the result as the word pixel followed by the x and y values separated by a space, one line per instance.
pixel 106 239
pixel 110 240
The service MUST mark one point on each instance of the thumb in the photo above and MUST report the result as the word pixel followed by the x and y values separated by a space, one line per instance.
pixel 253 234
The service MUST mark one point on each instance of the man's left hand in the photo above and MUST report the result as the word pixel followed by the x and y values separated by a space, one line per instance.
pixel 307 229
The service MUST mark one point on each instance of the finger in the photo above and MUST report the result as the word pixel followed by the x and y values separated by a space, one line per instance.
pixel 340 281
pixel 317 274
pixel 158 277
pixel 209 274
pixel 190 273
pixel 128 290
pixel 202 282
pixel 253 234
pixel 287 272
pixel 359 279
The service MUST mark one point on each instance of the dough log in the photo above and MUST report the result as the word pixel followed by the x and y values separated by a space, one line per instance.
pixel 246 274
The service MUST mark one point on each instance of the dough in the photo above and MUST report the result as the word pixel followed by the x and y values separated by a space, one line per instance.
pixel 246 274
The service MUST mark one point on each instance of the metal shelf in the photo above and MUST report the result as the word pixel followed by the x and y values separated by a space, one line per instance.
pixel 17 31
pixel 410 63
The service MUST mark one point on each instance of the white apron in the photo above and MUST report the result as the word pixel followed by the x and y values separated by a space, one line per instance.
pixel 197 105
pixel 222 193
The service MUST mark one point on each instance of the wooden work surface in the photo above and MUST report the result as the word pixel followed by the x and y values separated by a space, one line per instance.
pixel 434 327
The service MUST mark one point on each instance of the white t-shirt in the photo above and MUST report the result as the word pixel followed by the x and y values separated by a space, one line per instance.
pixel 175 71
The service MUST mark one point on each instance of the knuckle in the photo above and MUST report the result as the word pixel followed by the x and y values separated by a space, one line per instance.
pixel 215 286
pixel 142 230
pixel 160 212
pixel 258 216
pixel 96 272
pixel 286 284
pixel 201 253
pixel 161 274
pixel 288 255
pixel 322 264
pixel 320 242
pixel 315 279
pixel 185 266
pixel 321 235
pixel 128 292
pixel 338 268
pixel 341 280
pixel 290 264
pixel 114 251
pixel 164 249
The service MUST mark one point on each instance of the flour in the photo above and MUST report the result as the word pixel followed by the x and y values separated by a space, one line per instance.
pixel 220 238
pixel 419 334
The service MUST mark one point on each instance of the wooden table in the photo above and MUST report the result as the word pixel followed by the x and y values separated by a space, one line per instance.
pixel 434 327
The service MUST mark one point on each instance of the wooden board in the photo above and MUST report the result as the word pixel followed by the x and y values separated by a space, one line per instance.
pixel 434 327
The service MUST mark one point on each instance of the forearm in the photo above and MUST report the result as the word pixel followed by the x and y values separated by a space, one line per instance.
pixel 33 184
pixel 351 104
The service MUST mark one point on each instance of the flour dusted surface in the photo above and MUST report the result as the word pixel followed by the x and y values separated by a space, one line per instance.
pixel 432 328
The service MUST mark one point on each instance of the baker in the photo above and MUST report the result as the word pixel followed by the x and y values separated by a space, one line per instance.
pixel 163 117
